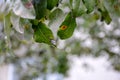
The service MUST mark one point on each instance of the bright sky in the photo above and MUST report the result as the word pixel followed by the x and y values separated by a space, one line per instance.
pixel 89 68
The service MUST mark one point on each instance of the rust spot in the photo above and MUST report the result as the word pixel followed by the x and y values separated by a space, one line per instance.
pixel 63 27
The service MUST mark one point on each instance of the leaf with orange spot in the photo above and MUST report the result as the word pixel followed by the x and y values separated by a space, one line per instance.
pixel 67 27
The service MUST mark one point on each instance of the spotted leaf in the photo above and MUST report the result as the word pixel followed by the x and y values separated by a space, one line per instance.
pixel 67 27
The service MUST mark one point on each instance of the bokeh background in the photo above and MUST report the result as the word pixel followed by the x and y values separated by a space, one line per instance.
pixel 92 53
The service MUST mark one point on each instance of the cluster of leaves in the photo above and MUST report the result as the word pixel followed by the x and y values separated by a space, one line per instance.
pixel 36 18
pixel 34 13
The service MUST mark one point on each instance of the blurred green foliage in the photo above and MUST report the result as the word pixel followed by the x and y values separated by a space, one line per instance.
pixel 93 27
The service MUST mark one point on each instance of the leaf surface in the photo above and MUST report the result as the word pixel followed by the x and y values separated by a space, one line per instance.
pixel 90 4
pixel 51 4
pixel 43 34
pixel 66 29
pixel 40 8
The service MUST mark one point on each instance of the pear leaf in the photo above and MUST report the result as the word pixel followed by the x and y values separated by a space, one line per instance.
pixel 78 11
pixel 7 31
pixel 56 16
pixel 51 4
pixel 43 34
pixel 40 8
pixel 105 16
pixel 90 4
pixel 67 27
pixel 78 8
pixel 7 25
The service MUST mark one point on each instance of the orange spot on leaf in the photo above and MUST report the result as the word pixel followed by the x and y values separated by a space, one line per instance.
pixel 63 27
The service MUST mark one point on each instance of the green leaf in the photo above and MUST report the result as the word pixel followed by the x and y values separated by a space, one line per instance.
pixel 56 16
pixel 7 25
pixel 40 8
pixel 51 4
pixel 43 34
pixel 1 17
pixel 70 4
pixel 77 7
pixel 104 13
pixel 105 16
pixel 100 5
pixel 90 4
pixel 55 19
pixel 74 4
pixel 78 11
pixel 7 31
pixel 67 27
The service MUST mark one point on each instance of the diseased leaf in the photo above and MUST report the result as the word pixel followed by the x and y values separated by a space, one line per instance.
pixel 67 27
pixel 90 4
pixel 55 19
pixel 51 4
pixel 56 16
pixel 43 34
